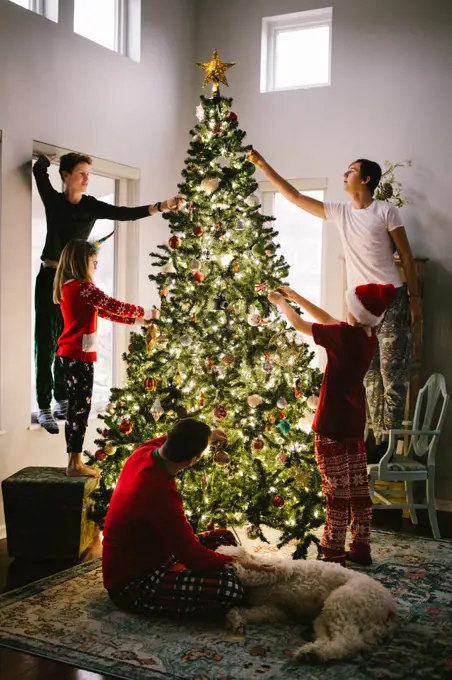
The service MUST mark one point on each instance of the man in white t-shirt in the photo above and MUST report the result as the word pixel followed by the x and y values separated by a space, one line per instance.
pixel 370 230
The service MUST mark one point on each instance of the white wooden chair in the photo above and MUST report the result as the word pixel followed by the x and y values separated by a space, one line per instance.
pixel 419 462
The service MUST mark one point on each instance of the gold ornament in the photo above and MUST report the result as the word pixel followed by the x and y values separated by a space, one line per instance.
pixel 221 458
pixel 178 378
pixel 228 359
pixel 151 339
pixel 110 449
pixel 215 71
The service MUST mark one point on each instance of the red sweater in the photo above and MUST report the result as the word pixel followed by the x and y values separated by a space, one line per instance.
pixel 146 523
pixel 81 304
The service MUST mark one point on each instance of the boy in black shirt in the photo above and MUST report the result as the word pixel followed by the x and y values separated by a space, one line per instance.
pixel 70 215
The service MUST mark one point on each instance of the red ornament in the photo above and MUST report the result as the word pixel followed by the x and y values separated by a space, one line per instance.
pixel 105 433
pixel 174 242
pixel 198 230
pixel 164 292
pixel 198 277
pixel 126 427
pixel 233 116
pixel 100 455
pixel 258 444
pixel 150 384
pixel 282 415
pixel 220 412
pixel 297 390
pixel 210 363
pixel 278 502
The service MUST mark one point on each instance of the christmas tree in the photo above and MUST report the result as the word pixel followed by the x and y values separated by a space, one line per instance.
pixel 218 351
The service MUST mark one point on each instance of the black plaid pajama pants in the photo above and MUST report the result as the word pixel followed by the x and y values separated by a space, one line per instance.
pixel 174 589
pixel 79 380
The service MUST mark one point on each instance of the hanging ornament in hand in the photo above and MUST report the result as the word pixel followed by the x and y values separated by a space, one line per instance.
pixel 151 338
pixel 255 400
pixel 278 501
pixel 186 340
pixel 281 403
pixel 221 458
pixel 254 319
pixel 198 230
pixel 100 455
pixel 198 277
pixel 150 384
pixel 252 532
pixel 174 242
pixel 252 200
pixel 157 410
pixel 258 444
pixel 249 168
pixel 284 427
pixel 169 268
pixel 195 265
pixel 313 402
pixel 220 302
pixel 126 427
pixel 220 412
pixel 210 184
pixel 110 449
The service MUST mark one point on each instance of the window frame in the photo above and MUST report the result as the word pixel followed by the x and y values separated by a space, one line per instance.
pixel 45 8
pixel 267 193
pixel 272 26
pixel 122 12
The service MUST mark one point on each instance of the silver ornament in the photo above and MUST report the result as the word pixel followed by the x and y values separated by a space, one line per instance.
pixel 252 200
pixel 312 402
pixel 281 403
pixel 168 268
pixel 186 340
pixel 254 319
pixel 196 138
pixel 157 410
pixel 255 400
pixel 195 265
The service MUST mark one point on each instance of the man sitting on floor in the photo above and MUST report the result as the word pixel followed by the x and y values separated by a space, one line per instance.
pixel 152 560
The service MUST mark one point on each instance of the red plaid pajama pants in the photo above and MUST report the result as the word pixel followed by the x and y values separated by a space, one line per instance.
pixel 343 466
pixel 174 589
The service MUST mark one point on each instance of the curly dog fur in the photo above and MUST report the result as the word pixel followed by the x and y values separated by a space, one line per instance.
pixel 350 610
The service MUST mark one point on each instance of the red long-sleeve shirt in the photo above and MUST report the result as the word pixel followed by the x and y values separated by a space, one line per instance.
pixel 146 523
pixel 81 304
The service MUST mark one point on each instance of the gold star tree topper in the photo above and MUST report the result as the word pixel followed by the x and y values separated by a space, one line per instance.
pixel 215 71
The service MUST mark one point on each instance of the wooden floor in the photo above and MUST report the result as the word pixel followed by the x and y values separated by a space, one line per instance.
pixel 18 666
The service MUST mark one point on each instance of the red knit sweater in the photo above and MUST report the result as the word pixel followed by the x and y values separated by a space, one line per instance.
pixel 146 523
pixel 81 304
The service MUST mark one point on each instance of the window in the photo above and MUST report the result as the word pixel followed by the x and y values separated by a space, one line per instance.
pixel 47 8
pixel 105 189
pixel 114 24
pixel 300 237
pixel 296 50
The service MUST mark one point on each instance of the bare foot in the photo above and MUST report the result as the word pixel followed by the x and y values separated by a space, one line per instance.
pixel 82 470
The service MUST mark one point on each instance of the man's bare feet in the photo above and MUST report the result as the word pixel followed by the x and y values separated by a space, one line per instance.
pixel 81 470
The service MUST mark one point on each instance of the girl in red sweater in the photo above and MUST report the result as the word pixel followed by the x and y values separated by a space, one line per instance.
pixel 81 303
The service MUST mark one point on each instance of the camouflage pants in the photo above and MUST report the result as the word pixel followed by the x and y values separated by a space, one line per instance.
pixel 387 379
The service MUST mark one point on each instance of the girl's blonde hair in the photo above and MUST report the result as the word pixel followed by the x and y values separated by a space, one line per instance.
pixel 73 264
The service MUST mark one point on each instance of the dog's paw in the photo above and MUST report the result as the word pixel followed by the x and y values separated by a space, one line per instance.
pixel 306 654
pixel 235 622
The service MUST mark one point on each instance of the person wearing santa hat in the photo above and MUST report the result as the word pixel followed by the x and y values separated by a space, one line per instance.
pixel 340 418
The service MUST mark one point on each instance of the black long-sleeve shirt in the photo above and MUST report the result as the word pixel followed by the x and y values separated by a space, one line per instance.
pixel 66 221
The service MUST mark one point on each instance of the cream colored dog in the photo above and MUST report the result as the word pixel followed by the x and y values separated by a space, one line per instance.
pixel 350 611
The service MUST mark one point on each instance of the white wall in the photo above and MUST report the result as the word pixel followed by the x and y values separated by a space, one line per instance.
pixel 391 97
pixel 60 88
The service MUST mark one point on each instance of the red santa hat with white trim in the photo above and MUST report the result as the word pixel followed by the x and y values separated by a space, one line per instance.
pixel 369 302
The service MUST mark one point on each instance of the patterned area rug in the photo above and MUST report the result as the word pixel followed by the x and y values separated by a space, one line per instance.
pixel 69 618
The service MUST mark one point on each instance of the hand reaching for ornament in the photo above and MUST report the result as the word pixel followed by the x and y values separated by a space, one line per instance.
pixel 218 436
pixel 173 204
pixel 275 298
pixel 286 292
pixel 255 158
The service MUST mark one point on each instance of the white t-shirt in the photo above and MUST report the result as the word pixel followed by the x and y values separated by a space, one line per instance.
pixel 366 242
